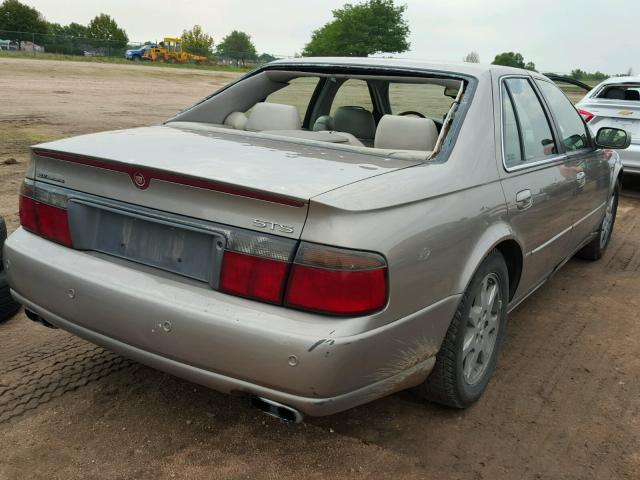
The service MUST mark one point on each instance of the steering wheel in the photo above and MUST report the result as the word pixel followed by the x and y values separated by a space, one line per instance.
pixel 412 113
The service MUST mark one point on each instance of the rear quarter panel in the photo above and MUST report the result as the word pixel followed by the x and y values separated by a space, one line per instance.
pixel 433 222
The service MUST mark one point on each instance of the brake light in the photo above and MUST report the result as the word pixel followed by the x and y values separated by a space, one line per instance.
pixel 337 281
pixel 253 277
pixel 48 221
pixel 587 116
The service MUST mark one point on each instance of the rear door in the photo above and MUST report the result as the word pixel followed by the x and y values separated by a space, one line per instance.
pixel 534 179
pixel 584 162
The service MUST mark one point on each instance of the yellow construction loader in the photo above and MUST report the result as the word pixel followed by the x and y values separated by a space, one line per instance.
pixel 170 51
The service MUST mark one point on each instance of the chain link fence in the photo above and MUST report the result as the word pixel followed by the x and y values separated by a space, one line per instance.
pixel 44 44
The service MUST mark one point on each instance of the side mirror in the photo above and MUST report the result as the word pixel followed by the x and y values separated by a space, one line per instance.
pixel 450 92
pixel 616 138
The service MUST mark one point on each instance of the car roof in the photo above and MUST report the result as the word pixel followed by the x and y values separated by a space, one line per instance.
pixel 473 69
pixel 614 80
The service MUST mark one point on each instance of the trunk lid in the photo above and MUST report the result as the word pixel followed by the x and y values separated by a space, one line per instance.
pixel 614 113
pixel 240 180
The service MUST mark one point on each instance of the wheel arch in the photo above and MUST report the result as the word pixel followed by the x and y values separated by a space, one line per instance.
pixel 498 237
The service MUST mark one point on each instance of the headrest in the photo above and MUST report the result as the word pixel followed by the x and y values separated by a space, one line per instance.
pixel 324 122
pixel 357 121
pixel 273 116
pixel 632 95
pixel 237 120
pixel 406 133
pixel 615 94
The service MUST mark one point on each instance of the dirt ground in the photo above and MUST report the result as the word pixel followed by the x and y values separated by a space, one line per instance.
pixel 564 403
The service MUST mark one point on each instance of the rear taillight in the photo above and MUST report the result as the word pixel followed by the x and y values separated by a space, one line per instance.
pixel 587 116
pixel 44 219
pixel 256 266
pixel 321 279
pixel 253 277
pixel 337 281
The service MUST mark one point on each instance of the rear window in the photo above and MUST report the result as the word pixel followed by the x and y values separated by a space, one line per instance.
pixel 351 93
pixel 297 93
pixel 629 93
pixel 427 99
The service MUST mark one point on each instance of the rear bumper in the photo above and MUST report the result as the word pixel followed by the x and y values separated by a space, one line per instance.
pixel 631 159
pixel 229 344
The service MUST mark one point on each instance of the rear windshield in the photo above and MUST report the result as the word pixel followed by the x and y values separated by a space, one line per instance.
pixel 630 93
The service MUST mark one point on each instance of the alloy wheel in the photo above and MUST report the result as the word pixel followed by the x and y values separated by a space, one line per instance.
pixel 482 326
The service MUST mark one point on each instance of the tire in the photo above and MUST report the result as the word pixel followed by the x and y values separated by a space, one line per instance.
pixel 172 60
pixel 8 306
pixel 594 250
pixel 461 373
pixel 136 58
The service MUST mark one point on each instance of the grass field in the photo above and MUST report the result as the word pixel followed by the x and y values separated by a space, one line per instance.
pixel 118 60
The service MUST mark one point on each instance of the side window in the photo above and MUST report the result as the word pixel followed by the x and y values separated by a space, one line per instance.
pixel 533 126
pixel 353 92
pixel 573 130
pixel 510 135
pixel 297 93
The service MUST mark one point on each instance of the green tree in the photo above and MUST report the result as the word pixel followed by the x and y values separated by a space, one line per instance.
pixel 266 58
pixel 105 32
pixel 472 57
pixel 509 59
pixel 18 17
pixel 237 46
pixel 530 66
pixel 197 42
pixel 374 26
pixel 69 39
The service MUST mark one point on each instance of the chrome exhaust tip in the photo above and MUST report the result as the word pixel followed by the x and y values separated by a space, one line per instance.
pixel 278 410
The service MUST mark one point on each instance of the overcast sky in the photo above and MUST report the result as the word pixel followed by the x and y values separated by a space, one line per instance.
pixel 557 35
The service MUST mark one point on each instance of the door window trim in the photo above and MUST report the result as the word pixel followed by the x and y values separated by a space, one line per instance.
pixel 535 163
pixel 589 148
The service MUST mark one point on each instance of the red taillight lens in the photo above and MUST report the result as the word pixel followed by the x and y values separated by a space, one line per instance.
pixel 337 292
pixel 28 217
pixel 337 281
pixel 253 277
pixel 46 220
pixel 54 223
pixel 587 116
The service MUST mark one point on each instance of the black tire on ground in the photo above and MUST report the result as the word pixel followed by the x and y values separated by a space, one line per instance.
pixel 594 250
pixel 447 383
pixel 8 306
pixel 136 58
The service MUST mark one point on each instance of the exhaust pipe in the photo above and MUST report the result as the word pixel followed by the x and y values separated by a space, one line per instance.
pixel 33 316
pixel 278 410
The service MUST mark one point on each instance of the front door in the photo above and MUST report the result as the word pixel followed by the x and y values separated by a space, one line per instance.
pixel 590 167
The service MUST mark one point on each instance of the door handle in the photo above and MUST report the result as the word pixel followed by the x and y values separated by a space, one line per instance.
pixel 524 199
pixel 581 179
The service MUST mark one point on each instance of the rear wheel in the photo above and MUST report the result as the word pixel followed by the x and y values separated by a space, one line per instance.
pixel 467 358
pixel 595 249
pixel 137 58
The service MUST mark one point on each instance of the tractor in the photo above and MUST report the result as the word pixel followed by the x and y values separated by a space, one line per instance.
pixel 170 51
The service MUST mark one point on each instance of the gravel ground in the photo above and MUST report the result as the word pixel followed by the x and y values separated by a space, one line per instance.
pixel 564 403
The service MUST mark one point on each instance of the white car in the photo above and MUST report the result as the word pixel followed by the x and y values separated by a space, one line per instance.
pixel 616 103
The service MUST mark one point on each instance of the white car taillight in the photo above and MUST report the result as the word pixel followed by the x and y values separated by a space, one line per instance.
pixel 587 116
